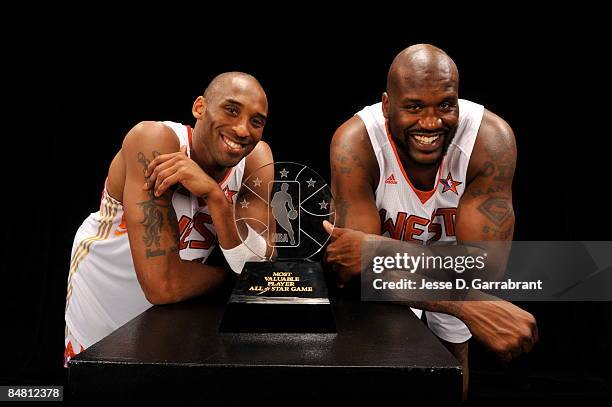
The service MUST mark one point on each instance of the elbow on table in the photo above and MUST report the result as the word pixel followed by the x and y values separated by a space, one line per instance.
pixel 158 287
pixel 161 293
pixel 173 287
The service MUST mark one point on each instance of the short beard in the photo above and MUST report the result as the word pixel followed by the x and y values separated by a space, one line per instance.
pixel 405 144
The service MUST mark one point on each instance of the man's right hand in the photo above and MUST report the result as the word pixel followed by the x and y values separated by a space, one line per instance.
pixel 501 326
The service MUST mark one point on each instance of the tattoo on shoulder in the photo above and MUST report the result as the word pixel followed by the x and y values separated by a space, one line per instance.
pixel 153 216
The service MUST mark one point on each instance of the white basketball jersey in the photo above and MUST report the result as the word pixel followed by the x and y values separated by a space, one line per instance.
pixel 103 291
pixel 423 217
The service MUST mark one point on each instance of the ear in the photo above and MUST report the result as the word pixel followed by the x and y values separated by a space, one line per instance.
pixel 199 108
pixel 385 105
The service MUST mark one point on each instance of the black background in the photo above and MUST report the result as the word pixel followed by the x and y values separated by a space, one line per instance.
pixel 81 89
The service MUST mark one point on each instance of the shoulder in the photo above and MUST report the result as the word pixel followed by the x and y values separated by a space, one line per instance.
pixel 260 156
pixel 261 150
pixel 495 131
pixel 150 134
pixel 353 133
pixel 351 151
pixel 495 144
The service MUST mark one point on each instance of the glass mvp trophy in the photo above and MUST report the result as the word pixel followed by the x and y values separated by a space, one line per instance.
pixel 285 203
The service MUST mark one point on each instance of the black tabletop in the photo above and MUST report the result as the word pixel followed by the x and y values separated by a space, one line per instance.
pixel 175 352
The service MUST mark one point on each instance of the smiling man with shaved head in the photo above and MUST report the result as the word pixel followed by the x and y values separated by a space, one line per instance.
pixel 428 168
pixel 166 204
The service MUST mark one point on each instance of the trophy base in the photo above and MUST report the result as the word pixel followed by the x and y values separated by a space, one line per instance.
pixel 279 297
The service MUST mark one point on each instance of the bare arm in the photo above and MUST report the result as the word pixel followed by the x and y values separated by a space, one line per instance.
pixel 152 224
pixel 259 171
pixel 355 174
pixel 485 212
pixel 227 232
pixel 485 217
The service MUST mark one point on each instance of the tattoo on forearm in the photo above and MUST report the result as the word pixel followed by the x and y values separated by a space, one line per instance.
pixel 497 210
pixel 153 216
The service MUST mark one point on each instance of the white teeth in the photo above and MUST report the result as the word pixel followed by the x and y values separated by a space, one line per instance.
pixel 231 143
pixel 426 139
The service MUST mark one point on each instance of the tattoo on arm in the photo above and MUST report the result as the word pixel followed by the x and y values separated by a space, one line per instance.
pixel 153 217
pixel 475 193
pixel 341 163
pixel 344 161
pixel 142 159
pixel 342 207
pixel 491 233
pixel 497 210
pixel 504 172
pixel 345 157
pixel 496 188
pixel 153 222
pixel 488 169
